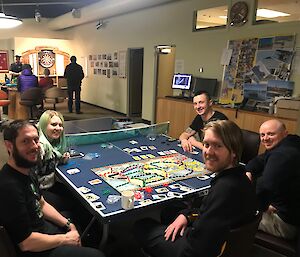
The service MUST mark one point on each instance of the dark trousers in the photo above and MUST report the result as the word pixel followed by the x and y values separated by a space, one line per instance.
pixel 150 235
pixel 66 251
pixel 62 251
pixel 71 90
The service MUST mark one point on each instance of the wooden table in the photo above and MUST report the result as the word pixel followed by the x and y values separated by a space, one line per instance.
pixel 15 109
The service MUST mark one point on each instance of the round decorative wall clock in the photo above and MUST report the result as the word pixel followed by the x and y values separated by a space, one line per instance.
pixel 46 58
pixel 238 13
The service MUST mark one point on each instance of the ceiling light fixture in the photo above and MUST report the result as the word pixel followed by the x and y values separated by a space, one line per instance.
pixel 164 49
pixel 266 13
pixel 8 22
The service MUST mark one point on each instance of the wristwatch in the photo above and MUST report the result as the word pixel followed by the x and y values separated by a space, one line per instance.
pixel 68 224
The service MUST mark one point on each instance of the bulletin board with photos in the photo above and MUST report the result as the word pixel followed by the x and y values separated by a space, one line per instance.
pixel 105 64
pixel 259 67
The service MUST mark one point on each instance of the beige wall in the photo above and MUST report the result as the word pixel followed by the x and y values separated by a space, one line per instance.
pixel 167 24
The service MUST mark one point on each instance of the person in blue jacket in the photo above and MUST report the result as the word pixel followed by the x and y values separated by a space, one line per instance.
pixel 26 80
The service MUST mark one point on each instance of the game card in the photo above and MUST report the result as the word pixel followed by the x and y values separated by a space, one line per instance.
pixel 84 190
pixel 162 190
pixel 99 206
pixel 127 150
pixel 152 147
pixel 144 156
pixel 204 177
pixel 95 181
pixel 151 155
pixel 137 150
pixel 144 147
pixel 159 196
pixel 174 194
pixel 186 189
pixel 173 151
pixel 175 186
pixel 161 153
pixel 167 152
pixel 73 171
pixel 133 142
pixel 76 155
pixel 137 158
pixel 146 202
pixel 91 197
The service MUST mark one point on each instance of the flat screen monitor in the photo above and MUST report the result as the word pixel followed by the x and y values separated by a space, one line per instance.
pixel 182 81
pixel 205 84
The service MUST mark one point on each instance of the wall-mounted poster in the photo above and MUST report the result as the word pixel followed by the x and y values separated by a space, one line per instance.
pixel 122 64
pixel 256 61
pixel 3 61
pixel 115 55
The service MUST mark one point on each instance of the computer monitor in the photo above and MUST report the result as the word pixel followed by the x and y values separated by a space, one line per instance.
pixel 182 81
pixel 205 84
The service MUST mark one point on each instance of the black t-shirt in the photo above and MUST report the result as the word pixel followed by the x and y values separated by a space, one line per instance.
pixel 21 212
pixel 16 67
pixel 198 124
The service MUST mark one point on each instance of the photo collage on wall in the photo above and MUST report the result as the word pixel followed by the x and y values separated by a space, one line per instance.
pixel 104 64
pixel 257 63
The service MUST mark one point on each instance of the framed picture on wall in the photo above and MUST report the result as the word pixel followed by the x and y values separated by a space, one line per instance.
pixel 4 64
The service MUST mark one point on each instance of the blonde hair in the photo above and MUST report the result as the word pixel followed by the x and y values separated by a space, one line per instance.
pixel 230 134
pixel 57 147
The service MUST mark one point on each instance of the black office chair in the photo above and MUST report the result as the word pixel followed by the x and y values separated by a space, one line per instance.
pixel 240 241
pixel 289 248
pixel 31 98
pixel 7 248
pixel 54 95
pixel 251 145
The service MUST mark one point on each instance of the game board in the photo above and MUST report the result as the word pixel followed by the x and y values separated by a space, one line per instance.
pixel 151 172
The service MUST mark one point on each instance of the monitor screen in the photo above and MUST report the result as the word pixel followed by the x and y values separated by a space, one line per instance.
pixel 205 84
pixel 182 81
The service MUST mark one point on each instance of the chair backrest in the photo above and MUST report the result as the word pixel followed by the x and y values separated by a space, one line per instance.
pixel 33 94
pixel 54 92
pixel 7 248
pixel 251 145
pixel 289 248
pixel 241 239
pixel 3 95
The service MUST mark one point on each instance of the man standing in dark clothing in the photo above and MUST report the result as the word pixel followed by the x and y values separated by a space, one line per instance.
pixel 277 176
pixel 36 228
pixel 74 75
pixel 16 67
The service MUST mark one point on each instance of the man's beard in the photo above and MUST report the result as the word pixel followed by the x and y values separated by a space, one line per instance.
pixel 21 161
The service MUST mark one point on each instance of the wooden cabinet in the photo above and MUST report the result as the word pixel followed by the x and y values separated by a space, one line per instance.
pixel 47 57
pixel 181 113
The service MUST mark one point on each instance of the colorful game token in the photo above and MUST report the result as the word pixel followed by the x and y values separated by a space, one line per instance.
pixel 148 189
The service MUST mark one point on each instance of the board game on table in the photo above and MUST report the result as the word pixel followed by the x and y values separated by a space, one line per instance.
pixel 144 160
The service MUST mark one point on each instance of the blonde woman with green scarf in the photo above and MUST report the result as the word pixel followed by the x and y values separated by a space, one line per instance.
pixel 53 152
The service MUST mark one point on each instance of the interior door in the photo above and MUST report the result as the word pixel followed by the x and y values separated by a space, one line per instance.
pixel 135 82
